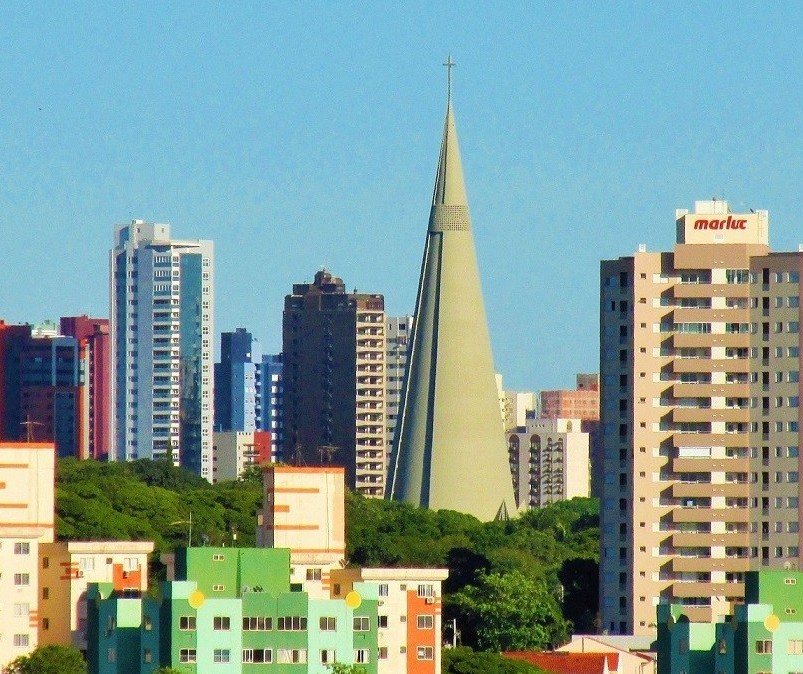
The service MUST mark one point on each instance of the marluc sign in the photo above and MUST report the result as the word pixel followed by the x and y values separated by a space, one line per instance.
pixel 730 223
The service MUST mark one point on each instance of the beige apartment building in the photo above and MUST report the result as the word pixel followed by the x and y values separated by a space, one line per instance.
pixel 549 461
pixel 700 414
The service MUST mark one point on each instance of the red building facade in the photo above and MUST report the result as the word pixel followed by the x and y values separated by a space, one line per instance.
pixel 94 344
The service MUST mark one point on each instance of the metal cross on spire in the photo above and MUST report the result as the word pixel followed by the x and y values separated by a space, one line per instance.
pixel 449 65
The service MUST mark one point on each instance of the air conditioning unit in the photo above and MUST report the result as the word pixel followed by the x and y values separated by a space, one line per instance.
pixel 430 600
pixel 80 574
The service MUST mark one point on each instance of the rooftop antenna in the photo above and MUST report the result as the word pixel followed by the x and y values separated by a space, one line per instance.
pixel 327 453
pixel 298 456
pixel 29 424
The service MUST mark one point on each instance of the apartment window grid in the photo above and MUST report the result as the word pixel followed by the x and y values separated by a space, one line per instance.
pixel 775 377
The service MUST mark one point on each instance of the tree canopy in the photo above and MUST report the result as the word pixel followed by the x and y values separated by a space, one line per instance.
pixel 548 555
pixel 49 659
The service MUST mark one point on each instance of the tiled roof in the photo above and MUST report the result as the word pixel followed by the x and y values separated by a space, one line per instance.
pixel 569 663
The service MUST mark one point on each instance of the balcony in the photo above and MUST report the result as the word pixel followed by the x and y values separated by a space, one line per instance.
pixel 710 515
pixel 691 489
pixel 707 590
pixel 708 564
pixel 682 539
pixel 709 465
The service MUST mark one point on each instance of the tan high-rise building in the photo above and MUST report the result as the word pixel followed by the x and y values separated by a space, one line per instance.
pixel 700 358
pixel 334 381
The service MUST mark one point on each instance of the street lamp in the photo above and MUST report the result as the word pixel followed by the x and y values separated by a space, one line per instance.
pixel 189 535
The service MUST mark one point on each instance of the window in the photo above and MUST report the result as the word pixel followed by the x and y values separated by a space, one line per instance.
pixel 187 655
pixel 221 655
pixel 764 646
pixel 22 609
pixel 383 589
pixel 794 646
pixel 328 656
pixel 186 622
pixel 790 581
pixel 258 655
pixel 383 652
pixel 218 558
pixel 221 623
pixel 218 588
pixel 382 621
pixel 111 654
pixel 361 656
pixel 425 622
pixel 291 655
pixel 22 579
pixel 328 624
pixel 45 593
pixel 257 623
pixel 292 624
pixel 425 653
pixel 425 590
pixel 21 640
pixel 22 548
pixel 313 574
pixel 362 623
pixel 147 655
pixel 86 563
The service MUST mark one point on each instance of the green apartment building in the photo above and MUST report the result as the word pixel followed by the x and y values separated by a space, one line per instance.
pixel 230 610
pixel 762 636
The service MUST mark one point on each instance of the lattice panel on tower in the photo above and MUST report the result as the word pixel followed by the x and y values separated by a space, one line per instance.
pixel 449 218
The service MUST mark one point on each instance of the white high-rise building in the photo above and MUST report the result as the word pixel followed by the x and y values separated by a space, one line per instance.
pixel 161 324
pixel 398 330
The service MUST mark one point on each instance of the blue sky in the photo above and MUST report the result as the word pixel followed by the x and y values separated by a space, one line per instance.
pixel 297 135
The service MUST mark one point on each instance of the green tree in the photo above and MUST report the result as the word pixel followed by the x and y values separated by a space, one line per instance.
pixel 510 612
pixel 463 660
pixel 580 581
pixel 49 659
pixel 338 668
pixel 166 670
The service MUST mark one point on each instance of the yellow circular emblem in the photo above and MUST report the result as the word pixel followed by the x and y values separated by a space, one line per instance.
pixel 353 599
pixel 196 599
pixel 772 622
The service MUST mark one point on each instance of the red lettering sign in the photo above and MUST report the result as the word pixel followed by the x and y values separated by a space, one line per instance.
pixel 730 223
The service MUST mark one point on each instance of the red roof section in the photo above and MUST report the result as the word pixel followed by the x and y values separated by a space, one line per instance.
pixel 568 663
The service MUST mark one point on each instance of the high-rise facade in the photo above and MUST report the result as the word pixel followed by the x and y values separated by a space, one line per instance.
pixel 398 331
pixel 581 403
pixel 94 349
pixel 451 449
pixel 248 388
pixel 700 361
pixel 162 308
pixel 334 381
pixel 41 389
pixel 238 383
pixel 549 461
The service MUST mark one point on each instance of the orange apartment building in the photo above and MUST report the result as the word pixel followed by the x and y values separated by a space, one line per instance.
pixel 699 362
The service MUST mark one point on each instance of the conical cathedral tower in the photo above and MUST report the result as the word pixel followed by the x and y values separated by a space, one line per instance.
pixel 450 450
